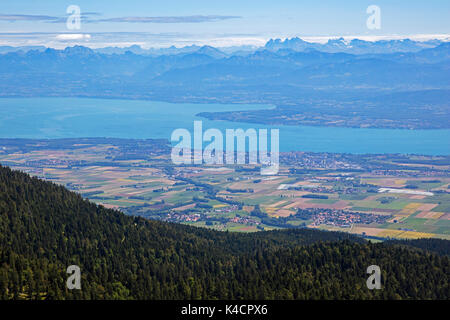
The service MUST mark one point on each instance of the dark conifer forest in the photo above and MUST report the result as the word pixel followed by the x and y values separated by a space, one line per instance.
pixel 44 228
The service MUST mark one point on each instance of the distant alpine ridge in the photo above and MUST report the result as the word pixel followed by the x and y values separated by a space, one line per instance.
pixel 354 46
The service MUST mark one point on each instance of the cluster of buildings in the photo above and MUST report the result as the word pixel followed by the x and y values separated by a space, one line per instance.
pixel 316 160
pixel 245 220
pixel 184 217
pixel 345 219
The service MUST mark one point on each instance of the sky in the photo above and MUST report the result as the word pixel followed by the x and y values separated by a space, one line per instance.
pixel 219 23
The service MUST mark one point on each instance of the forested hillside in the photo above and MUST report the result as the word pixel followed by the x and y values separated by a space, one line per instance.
pixel 44 228
pixel 439 246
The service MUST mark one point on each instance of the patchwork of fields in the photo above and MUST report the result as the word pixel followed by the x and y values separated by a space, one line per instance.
pixel 409 202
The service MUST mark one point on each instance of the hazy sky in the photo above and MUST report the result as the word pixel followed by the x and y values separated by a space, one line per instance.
pixel 220 23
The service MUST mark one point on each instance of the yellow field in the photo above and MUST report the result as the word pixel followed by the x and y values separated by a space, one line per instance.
pixel 219 206
pixel 404 234
pixel 411 208
pixel 270 210
pixel 430 215
pixel 283 213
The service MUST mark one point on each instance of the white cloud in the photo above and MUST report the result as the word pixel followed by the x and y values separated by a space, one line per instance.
pixel 73 36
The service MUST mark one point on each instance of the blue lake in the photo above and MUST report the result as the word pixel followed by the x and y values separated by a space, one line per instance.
pixel 79 117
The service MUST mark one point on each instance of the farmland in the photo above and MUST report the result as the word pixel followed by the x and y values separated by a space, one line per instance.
pixel 376 196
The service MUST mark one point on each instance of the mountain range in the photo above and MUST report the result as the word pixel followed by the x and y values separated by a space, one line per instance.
pixel 425 68
pixel 285 77
pixel 354 46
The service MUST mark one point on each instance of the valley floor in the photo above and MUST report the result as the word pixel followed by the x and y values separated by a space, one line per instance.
pixel 378 196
